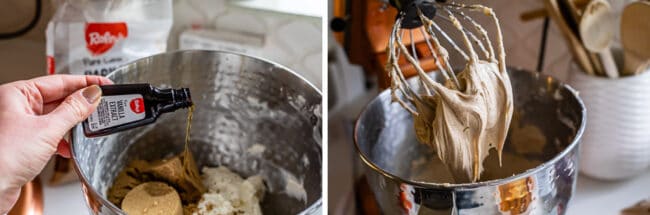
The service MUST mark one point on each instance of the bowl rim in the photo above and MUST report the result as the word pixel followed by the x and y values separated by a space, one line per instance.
pixel 317 204
pixel 462 186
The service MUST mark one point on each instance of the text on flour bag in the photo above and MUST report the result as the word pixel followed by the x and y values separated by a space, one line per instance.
pixel 127 106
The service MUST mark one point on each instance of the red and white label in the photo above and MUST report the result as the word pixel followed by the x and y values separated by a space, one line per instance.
pixel 100 37
pixel 97 37
pixel 117 110
pixel 137 105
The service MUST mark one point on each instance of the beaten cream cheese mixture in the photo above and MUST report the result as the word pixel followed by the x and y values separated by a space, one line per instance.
pixel 230 194
pixel 463 122
pixel 463 125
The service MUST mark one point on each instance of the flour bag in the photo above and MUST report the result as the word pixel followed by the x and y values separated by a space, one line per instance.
pixel 94 37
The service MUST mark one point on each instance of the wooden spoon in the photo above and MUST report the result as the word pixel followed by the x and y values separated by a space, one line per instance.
pixel 572 10
pixel 635 36
pixel 597 31
pixel 575 46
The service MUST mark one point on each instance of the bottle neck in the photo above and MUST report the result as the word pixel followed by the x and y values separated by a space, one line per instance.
pixel 174 99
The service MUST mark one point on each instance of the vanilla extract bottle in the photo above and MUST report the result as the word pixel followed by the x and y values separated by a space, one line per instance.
pixel 127 106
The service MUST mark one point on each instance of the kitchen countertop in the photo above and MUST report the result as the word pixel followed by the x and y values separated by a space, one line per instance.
pixel 608 197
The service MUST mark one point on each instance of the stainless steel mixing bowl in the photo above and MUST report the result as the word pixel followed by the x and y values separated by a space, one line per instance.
pixel 240 101
pixel 395 161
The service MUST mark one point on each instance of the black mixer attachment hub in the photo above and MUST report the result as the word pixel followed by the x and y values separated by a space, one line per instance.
pixel 409 10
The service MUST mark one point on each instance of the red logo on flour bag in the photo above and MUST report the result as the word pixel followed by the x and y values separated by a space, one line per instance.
pixel 100 37
pixel 137 105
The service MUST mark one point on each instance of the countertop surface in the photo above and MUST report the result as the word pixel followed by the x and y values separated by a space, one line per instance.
pixel 608 197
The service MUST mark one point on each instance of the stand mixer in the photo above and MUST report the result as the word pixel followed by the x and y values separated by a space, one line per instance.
pixel 363 27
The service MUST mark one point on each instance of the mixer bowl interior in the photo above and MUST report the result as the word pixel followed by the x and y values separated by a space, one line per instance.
pixel 545 123
pixel 242 104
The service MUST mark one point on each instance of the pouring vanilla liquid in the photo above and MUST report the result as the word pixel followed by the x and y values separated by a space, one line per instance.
pixel 174 186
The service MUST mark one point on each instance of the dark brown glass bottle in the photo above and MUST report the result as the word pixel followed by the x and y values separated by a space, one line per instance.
pixel 128 106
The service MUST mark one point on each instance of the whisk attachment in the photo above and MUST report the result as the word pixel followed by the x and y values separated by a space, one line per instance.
pixel 478 101
pixel 476 42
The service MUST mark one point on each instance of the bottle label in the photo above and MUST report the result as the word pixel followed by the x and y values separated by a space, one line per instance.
pixel 117 110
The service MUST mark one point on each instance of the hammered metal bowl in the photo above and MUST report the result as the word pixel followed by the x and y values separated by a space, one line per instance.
pixel 239 101
pixel 543 181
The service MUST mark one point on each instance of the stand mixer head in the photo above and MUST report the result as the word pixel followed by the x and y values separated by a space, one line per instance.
pixel 409 10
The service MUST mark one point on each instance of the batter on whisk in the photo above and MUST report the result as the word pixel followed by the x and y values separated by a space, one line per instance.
pixel 470 113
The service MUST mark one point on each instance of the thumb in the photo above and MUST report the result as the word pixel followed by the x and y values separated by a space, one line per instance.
pixel 75 108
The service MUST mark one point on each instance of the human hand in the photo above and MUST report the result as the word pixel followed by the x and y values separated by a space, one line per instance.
pixel 34 116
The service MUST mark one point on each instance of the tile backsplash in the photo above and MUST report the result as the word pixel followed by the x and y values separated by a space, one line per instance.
pixel 292 40
pixel 522 39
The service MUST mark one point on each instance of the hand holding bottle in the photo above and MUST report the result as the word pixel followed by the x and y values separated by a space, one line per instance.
pixel 34 116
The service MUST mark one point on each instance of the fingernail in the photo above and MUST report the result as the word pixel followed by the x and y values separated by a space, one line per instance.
pixel 92 93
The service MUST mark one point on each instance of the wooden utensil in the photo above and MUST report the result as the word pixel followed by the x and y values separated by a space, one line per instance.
pixel 575 45
pixel 635 36
pixel 572 10
pixel 597 32
pixel 572 14
pixel 575 8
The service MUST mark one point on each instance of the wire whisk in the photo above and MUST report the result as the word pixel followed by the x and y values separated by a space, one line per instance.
pixel 430 29
pixel 477 50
